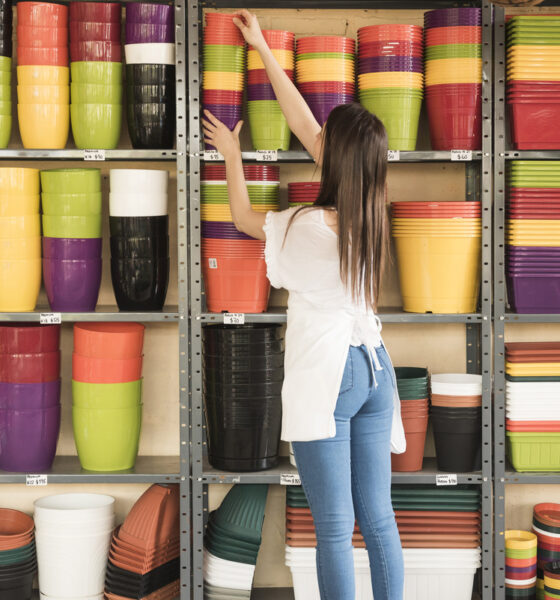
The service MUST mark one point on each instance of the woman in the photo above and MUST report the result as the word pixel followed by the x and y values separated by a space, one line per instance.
pixel 340 406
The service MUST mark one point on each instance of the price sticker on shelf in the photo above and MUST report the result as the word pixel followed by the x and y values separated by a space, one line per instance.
pixel 446 479
pixel 50 318
pixel 234 319
pixel 212 263
pixel 461 155
pixel 393 155
pixel 267 156
pixel 290 479
pixel 94 154
pixel 36 480
pixel 212 155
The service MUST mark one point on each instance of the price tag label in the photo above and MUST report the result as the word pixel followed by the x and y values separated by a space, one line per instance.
pixel 290 479
pixel 234 319
pixel 446 480
pixel 212 263
pixel 461 155
pixel 212 155
pixel 393 155
pixel 50 318
pixel 267 156
pixel 94 154
pixel 36 480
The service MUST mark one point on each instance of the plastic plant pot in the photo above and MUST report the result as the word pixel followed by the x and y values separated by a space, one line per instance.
pixel 101 12
pixel 43 94
pixel 152 125
pixel 20 248
pixel 149 33
pixel 150 74
pixel 79 205
pixel 145 247
pixel 93 93
pixel 72 285
pixel 96 125
pixel 28 338
pixel 43 125
pixel 29 55
pixel 25 396
pixel 95 51
pixel 86 369
pixel 145 93
pixel 139 226
pixel 109 340
pixel 138 181
pixel 163 54
pixel 140 284
pixel 106 395
pixel 71 248
pixel 42 37
pixel 96 72
pixel 150 13
pixel 30 368
pixel 72 227
pixel 83 31
pixel 457 443
pixel 71 181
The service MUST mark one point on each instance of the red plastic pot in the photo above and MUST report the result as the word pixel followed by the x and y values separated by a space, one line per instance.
pixel 455 121
pixel 215 38
pixel 278 39
pixel 42 14
pixel 436 36
pixel 535 126
pixel 99 12
pixel 42 37
pixel 53 57
pixel 412 458
pixel 95 51
pixel 390 32
pixel 390 48
pixel 83 31
pixel 38 367
pixel 222 97
pixel 24 338
pixel 256 76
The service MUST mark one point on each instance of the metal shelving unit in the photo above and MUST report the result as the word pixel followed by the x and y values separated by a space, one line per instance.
pixel 478 326
pixel 102 313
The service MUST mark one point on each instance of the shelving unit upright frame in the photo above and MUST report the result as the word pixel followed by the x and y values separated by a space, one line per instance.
pixel 478 325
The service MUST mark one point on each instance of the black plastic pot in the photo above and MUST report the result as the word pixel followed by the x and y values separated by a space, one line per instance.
pixel 222 377
pixel 132 585
pixel 145 93
pixel 140 284
pixel 253 333
pixel 151 125
pixel 20 587
pixel 457 443
pixel 244 363
pixel 214 346
pixel 150 74
pixel 251 390
pixel 140 247
pixel 139 226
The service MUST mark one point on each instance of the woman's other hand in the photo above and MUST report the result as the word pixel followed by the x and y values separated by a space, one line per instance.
pixel 218 135
pixel 250 28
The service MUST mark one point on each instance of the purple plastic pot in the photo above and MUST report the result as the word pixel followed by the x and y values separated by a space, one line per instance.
pixel 28 439
pixel 144 12
pixel 72 248
pixel 222 230
pixel 29 395
pixel 227 113
pixel 72 285
pixel 260 91
pixel 532 251
pixel 453 17
pixel 390 63
pixel 539 294
pixel 147 33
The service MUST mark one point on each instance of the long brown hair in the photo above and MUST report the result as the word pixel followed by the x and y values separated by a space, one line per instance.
pixel 353 184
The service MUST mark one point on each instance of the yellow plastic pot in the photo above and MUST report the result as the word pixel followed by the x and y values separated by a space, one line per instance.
pixel 436 222
pixel 16 206
pixel 219 80
pixel 20 248
pixel 17 181
pixel 43 94
pixel 285 59
pixel 529 369
pixel 520 540
pixel 20 282
pixel 44 126
pixel 213 213
pixel 42 75
pixel 439 275
pixel 20 226
pixel 393 79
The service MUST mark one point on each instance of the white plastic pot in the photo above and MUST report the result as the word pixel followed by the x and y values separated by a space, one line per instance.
pixel 456 384
pixel 74 508
pixel 142 182
pixel 137 205
pixel 153 54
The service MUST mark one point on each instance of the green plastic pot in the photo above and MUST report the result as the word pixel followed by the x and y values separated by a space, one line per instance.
pixel 5 92
pixel 82 93
pixel 313 55
pixel 227 51
pixel 6 108
pixel 6 65
pixel 274 136
pixel 107 395
pixel 5 78
pixel 105 73
pixel 453 51
pixel 512 553
pixel 107 439
pixel 71 204
pixel 223 66
pixel 70 181
pixel 96 125
pixel 72 227
pixel 534 451
pixel 5 130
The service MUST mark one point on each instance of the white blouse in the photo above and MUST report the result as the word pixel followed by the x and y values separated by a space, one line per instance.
pixel 323 322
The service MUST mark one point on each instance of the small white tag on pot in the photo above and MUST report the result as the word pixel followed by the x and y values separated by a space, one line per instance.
pixel 461 155
pixel 36 480
pixel 212 263
pixel 393 155
pixel 267 156
pixel 447 479
pixel 290 479
pixel 50 318
pixel 212 155
pixel 234 319
pixel 94 154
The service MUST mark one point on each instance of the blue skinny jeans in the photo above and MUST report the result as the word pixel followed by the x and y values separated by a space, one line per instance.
pixel 349 477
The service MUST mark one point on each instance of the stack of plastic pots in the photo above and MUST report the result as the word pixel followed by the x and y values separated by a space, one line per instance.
pixel 144 554
pixel 233 263
pixel 325 72
pixel 223 69
pixel 5 73
pixel 232 542
pixel 71 200
pixel 521 564
pixel 243 373
pixel 20 239
pixel 139 238
pixel 454 77
pixel 96 64
pixel 43 90
pixel 18 559
pixel 150 97
pixel 269 128
pixel 391 79
pixel 412 383
pixel 532 413
pixel 303 193
pixel 533 236
pixel 546 526
pixel 107 394
pixel 533 86
pixel 457 421
pixel 438 247
pixel 29 396
pixel 73 535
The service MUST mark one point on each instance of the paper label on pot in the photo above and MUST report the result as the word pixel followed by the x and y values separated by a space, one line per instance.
pixel 461 155
pixel 212 263
pixel 446 479
pixel 36 480
pixel 212 155
pixel 94 154
pixel 234 319
pixel 393 155
pixel 290 479
pixel 267 156
pixel 50 318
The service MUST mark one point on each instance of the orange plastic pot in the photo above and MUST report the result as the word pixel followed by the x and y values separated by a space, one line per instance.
pixel 415 434
pixel 42 37
pixel 54 57
pixel 42 14
pixel 106 370
pixel 109 340
pixel 457 401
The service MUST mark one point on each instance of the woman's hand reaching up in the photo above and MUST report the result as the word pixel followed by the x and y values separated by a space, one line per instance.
pixel 250 28
pixel 218 135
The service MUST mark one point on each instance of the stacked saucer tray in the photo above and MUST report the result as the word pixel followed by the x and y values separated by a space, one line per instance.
pixel 144 553
pixel 532 413
pixel 440 535
pixel 232 541
pixel 269 128
pixel 20 239
pixel 6 16
pixel 42 74
pixel 391 79
pixel 521 564
pixel 546 526
pixel 72 217
pixel 233 264
pixel 18 559
pixel 150 82
pixel 533 236
pixel 303 193
pixel 325 72
pixel 533 81
pixel 96 68
pixel 107 394
pixel 438 246
pixel 29 396
pixel 454 77
pixel 223 76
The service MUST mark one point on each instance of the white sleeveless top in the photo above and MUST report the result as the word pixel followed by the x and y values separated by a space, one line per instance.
pixel 323 322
